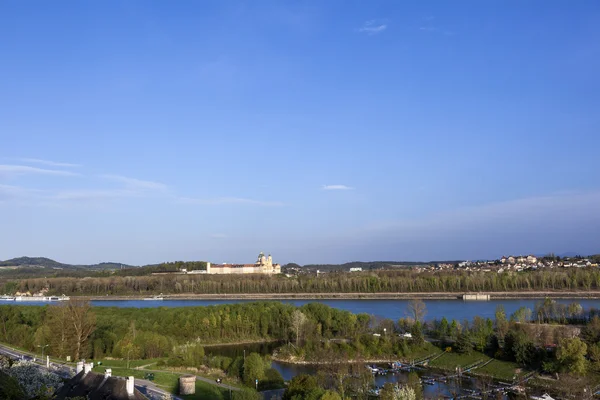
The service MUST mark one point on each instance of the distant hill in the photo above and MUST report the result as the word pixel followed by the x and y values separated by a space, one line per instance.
pixel 365 265
pixel 39 262
pixel 43 262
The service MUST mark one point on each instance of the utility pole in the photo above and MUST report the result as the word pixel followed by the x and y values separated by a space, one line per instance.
pixel 43 347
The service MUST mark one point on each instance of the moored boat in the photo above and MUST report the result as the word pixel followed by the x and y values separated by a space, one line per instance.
pixel 158 297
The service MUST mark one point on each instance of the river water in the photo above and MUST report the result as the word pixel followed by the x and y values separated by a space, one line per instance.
pixel 393 309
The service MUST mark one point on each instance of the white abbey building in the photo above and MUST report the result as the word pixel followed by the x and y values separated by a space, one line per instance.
pixel 263 265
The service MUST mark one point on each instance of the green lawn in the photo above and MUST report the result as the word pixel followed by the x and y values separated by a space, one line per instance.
pixel 132 363
pixel 498 369
pixel 421 352
pixel 450 361
pixel 504 370
pixel 167 380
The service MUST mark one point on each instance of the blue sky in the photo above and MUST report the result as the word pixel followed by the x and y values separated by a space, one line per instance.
pixel 319 131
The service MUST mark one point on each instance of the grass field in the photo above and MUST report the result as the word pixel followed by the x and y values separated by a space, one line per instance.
pixel 498 369
pixel 132 363
pixel 503 370
pixel 449 361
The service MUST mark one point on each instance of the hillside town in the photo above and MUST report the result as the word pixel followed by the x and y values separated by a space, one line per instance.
pixel 515 263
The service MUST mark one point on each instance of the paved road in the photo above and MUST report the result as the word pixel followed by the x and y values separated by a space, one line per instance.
pixel 149 389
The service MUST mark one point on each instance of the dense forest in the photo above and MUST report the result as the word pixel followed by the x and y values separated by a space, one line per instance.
pixel 155 331
pixel 364 282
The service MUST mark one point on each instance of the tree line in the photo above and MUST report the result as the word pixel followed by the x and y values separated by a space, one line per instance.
pixel 366 282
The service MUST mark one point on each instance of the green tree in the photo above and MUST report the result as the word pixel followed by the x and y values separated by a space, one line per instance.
pixel 414 382
pixel 455 329
pixel 246 394
pixel 571 355
pixel 519 347
pixel 330 395
pixel 254 368
pixel 388 392
pixel 302 387
pixel 417 333
pixel 463 343
pixel 501 324
pixel 523 314
pixel 443 329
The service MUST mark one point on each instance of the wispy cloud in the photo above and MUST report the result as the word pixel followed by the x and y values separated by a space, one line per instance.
pixel 228 200
pixel 12 170
pixel 336 187
pixel 49 163
pixel 135 184
pixel 373 27
pixel 218 236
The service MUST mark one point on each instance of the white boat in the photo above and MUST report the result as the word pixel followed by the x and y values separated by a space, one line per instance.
pixel 42 298
pixel 7 298
pixel 158 297
pixel 30 298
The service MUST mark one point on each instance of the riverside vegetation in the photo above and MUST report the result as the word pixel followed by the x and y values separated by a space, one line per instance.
pixel 392 281
pixel 553 339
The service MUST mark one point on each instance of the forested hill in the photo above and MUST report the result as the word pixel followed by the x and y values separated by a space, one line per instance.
pixel 43 262
pixel 365 265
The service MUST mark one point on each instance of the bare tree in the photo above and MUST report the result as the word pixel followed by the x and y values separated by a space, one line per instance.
pixel 57 323
pixel 417 309
pixel 81 321
pixel 298 321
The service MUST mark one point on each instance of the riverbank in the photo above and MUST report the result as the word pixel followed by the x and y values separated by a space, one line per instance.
pixel 359 296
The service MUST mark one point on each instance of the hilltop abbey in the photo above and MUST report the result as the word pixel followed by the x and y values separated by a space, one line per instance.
pixel 263 265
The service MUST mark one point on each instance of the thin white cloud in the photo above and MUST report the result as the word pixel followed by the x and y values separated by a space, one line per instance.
pixel 218 236
pixel 336 187
pixel 135 184
pixel 49 163
pixel 372 27
pixel 228 200
pixel 15 170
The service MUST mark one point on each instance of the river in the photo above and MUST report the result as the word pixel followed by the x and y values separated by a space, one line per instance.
pixel 393 309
